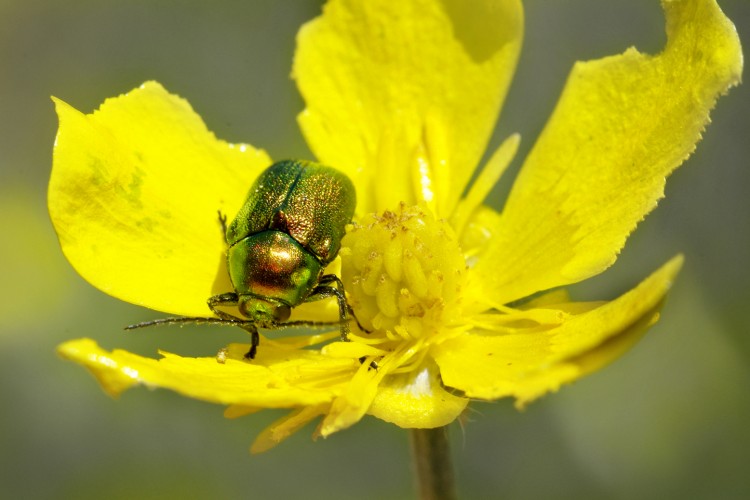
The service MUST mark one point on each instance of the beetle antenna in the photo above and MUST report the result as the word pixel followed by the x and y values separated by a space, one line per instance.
pixel 182 321
pixel 311 324
pixel 232 322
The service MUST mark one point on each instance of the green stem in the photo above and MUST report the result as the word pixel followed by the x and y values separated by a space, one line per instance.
pixel 431 456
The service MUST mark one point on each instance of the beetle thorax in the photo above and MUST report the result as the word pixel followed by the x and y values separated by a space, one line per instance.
pixel 270 270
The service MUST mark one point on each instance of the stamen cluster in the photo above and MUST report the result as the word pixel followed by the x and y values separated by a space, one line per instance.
pixel 403 272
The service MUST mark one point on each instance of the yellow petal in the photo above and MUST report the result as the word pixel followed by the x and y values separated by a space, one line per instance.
pixel 134 197
pixel 404 95
pixel 416 400
pixel 622 125
pixel 237 411
pixel 348 408
pixel 528 364
pixel 483 184
pixel 277 378
pixel 285 427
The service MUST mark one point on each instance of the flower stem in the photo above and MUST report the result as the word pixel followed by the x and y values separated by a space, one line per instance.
pixel 431 457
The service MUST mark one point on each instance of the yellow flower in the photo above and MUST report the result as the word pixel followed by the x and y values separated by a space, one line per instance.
pixel 460 302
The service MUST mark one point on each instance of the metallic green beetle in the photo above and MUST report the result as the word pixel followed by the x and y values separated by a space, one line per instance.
pixel 280 242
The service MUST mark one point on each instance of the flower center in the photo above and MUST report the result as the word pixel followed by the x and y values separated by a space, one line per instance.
pixel 403 272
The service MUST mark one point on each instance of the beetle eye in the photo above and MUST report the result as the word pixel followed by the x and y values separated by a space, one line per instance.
pixel 282 313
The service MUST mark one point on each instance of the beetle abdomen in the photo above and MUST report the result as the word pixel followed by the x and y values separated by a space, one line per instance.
pixel 318 208
pixel 310 202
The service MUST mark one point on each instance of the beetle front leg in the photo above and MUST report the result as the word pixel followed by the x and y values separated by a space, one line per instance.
pixel 254 340
pixel 324 290
pixel 231 299
pixel 224 299
pixel 336 281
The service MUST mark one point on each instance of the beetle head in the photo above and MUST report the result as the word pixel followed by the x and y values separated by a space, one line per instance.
pixel 263 311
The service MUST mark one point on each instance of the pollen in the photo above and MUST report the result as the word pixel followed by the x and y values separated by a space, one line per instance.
pixel 403 272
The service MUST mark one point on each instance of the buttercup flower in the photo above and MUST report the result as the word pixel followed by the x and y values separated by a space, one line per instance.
pixel 457 301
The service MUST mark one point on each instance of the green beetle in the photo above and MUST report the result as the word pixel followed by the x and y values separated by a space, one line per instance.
pixel 279 244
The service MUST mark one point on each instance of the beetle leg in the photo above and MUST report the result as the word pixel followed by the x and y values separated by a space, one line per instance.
pixel 223 223
pixel 231 299
pixel 359 325
pixel 323 291
pixel 254 339
pixel 224 299
pixel 332 278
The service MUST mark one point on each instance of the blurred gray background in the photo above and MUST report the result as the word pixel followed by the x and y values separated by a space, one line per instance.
pixel 669 420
